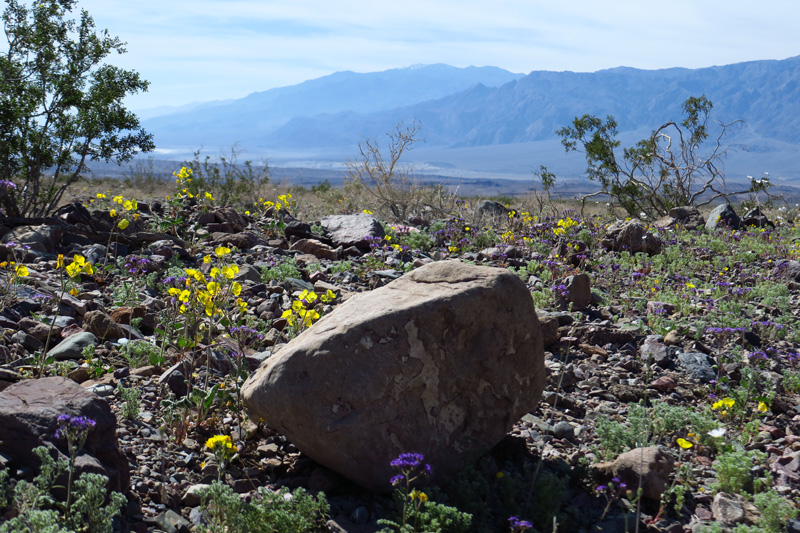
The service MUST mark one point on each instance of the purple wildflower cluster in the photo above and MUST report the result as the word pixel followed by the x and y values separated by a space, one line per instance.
pixel 724 331
pixel 410 466
pixel 74 429
pixel 246 335
pixel 137 265
pixel 518 525
pixel 5 184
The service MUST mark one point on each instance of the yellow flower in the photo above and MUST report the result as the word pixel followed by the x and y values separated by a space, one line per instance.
pixel 213 288
pixel 123 223
pixel 685 444
pixel 221 250
pixel 214 272
pixel 725 402
pixel 207 259
pixel 22 271
pixel 73 291
pixel 113 213
pixel 118 199
pixel 286 314
pixel 221 441
pixel 762 407
pixel 236 288
pixel 100 195
pixel 60 261
pixel 209 197
pixel 690 286
pixel 367 212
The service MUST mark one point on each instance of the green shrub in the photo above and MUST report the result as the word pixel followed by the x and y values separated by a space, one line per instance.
pixel 733 470
pixel 284 268
pixel 276 512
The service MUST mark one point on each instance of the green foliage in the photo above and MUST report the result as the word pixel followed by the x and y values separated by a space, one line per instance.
pixel 132 405
pixel 647 426
pixel 733 470
pixel 775 511
pixel 660 172
pixel 791 380
pixel 138 353
pixel 38 512
pixel 276 512
pixel 60 104
pixel 284 268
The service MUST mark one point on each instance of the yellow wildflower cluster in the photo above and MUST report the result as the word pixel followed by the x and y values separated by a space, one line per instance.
pixel 19 270
pixel 79 264
pixel 563 225
pixel 209 293
pixel 302 313
pixel 222 442
pixel 284 201
pixel 418 495
pixel 127 211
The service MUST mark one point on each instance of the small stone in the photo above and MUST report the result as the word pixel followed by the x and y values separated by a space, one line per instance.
pixel 193 495
pixel 563 430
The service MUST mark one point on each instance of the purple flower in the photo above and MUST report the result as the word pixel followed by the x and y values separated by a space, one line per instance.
pixel 397 479
pixel 601 488
pixel 408 460
pixel 519 525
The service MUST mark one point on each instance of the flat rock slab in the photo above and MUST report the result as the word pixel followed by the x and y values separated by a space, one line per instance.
pixel 442 362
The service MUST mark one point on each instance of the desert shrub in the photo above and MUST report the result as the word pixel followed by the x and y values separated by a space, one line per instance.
pixel 283 268
pixel 277 512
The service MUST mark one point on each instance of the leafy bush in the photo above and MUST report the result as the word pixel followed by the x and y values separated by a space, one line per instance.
pixel 276 512
pixel 284 268
pixel 733 470
pixel 60 105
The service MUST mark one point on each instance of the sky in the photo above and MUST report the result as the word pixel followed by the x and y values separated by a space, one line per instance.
pixel 201 50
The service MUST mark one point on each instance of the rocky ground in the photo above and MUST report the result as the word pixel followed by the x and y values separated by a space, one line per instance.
pixel 678 328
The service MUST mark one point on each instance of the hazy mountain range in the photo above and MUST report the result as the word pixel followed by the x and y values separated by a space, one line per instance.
pixel 484 122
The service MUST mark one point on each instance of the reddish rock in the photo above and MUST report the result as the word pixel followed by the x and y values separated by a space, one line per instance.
pixel 28 415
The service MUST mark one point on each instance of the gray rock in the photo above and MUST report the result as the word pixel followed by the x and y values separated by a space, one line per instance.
pixel 352 230
pixel 40 238
pixel 578 292
pixel 698 366
pixel 102 325
pixel 755 217
pixel 723 216
pixel 72 346
pixel 632 236
pixel 441 362
pixel 727 509
pixel 170 522
pixel 563 430
pixel 490 208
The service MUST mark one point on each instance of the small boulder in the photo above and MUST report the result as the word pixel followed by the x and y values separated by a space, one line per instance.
pixel 756 218
pixel 686 216
pixel 352 230
pixel 698 366
pixel 492 209
pixel 441 362
pixel 723 216
pixel 72 346
pixel 315 248
pixel 29 412
pixel 631 235
pixel 42 238
pixel 102 325
pixel 577 291
pixel 652 465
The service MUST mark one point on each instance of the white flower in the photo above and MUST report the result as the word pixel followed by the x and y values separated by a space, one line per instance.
pixel 716 433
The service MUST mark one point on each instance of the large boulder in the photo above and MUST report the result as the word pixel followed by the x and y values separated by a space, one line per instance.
pixel 631 235
pixel 352 230
pixel 29 412
pixel 441 362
